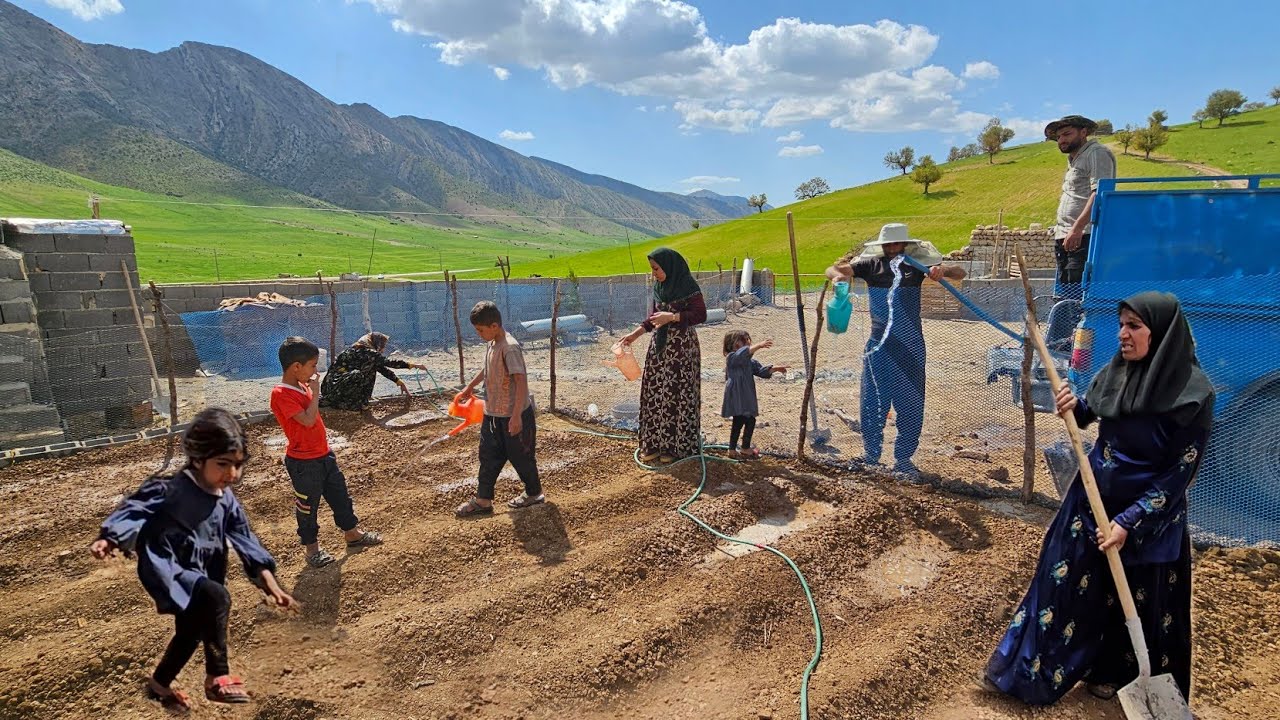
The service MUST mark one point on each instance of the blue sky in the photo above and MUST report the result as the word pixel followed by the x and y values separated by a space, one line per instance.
pixel 738 96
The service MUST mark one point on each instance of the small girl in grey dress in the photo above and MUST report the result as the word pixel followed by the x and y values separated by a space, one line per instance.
pixel 740 373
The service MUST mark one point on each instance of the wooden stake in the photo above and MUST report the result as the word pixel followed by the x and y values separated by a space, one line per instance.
pixel 610 306
pixel 158 296
pixel 1028 406
pixel 804 340
pixel 137 317
pixel 998 252
pixel 333 323
pixel 555 313
pixel 811 371
pixel 451 283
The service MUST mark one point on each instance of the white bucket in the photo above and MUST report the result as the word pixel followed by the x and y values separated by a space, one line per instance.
pixel 748 267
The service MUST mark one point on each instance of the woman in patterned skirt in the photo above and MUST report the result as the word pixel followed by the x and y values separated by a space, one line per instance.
pixel 1155 408
pixel 348 385
pixel 671 388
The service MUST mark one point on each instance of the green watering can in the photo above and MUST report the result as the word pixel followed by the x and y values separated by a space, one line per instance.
pixel 839 309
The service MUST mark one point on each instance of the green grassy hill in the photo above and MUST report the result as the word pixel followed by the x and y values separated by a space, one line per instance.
pixel 176 241
pixel 1246 143
pixel 181 242
pixel 1025 183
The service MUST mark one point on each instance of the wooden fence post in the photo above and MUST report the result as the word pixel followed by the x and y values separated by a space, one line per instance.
pixel 158 298
pixel 451 284
pixel 610 306
pixel 333 323
pixel 1028 403
pixel 811 372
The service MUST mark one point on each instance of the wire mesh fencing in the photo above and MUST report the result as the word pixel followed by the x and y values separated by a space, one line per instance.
pixel 922 378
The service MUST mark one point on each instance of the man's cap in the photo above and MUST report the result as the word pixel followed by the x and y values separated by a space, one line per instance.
pixel 1080 121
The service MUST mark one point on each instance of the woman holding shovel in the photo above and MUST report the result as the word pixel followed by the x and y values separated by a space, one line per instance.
pixel 1154 407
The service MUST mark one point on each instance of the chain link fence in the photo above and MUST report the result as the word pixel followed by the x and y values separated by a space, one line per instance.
pixel 965 398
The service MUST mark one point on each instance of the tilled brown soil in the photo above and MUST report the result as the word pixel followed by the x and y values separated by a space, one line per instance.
pixel 602 603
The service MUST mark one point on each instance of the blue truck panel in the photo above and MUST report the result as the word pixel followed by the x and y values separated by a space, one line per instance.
pixel 1218 250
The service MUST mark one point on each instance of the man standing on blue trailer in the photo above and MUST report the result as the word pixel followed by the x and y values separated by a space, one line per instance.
pixel 893 372
pixel 1087 163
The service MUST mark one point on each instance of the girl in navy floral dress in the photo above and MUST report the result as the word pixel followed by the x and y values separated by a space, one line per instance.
pixel 1154 406
pixel 180 527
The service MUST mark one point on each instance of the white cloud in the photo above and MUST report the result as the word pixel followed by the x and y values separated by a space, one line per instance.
pixel 735 119
pixel 858 77
pixel 641 108
pixel 88 9
pixel 793 136
pixel 660 108
pixel 792 151
pixel 981 70
pixel 1025 131
pixel 705 180
pixel 513 136
pixel 501 73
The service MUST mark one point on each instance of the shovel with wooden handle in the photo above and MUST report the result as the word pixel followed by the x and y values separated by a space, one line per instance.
pixel 1147 697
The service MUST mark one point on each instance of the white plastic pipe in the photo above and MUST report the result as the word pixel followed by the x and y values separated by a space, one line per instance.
pixel 568 323
pixel 748 267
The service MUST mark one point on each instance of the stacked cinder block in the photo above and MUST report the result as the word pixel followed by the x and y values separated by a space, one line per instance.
pixel 994 245
pixel 98 369
pixel 27 414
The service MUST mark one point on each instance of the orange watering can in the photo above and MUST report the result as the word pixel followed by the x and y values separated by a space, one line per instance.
pixel 625 361
pixel 470 411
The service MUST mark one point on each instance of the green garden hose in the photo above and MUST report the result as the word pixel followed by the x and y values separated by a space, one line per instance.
pixel 702 458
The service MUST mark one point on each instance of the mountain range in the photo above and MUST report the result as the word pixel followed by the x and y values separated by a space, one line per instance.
pixel 201 121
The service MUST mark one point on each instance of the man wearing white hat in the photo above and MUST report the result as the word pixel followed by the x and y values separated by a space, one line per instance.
pixel 893 360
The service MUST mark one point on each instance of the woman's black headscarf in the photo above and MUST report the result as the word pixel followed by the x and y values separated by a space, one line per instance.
pixel 1167 380
pixel 679 284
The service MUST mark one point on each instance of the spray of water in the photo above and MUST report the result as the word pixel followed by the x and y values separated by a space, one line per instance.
pixel 425 447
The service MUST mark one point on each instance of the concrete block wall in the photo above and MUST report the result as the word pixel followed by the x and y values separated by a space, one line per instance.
pixel 97 366
pixel 994 245
pixel 27 414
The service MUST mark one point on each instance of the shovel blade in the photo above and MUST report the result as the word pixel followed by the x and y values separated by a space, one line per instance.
pixel 1153 698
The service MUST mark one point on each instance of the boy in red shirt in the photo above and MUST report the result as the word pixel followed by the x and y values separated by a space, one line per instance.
pixel 311 464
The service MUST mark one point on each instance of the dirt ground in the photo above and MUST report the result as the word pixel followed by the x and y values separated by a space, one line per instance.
pixel 602 603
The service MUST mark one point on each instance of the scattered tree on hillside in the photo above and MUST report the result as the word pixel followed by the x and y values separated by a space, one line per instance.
pixel 1222 104
pixel 1275 94
pixel 1124 136
pixel 993 138
pixel 1150 138
pixel 902 159
pixel 960 153
pixel 1157 118
pixel 758 201
pixel 812 188
pixel 1200 116
pixel 695 224
pixel 926 172
pixel 1105 127
pixel 1251 106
